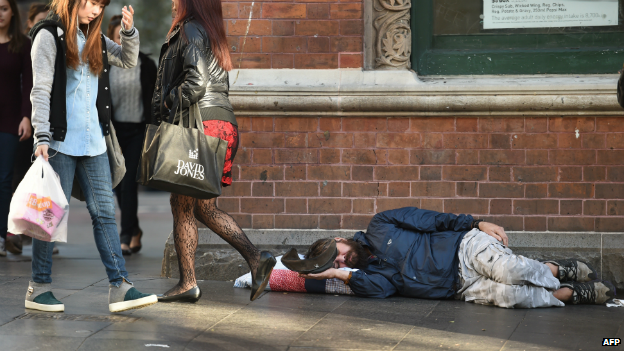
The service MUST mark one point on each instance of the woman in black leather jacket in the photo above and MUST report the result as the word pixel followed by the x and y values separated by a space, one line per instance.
pixel 196 59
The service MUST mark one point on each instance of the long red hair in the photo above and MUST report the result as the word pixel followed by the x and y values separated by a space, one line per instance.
pixel 67 10
pixel 210 14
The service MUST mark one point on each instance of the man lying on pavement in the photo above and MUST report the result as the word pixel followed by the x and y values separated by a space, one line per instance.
pixel 426 254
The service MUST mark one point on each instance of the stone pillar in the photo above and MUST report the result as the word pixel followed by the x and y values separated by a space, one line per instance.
pixel 387 32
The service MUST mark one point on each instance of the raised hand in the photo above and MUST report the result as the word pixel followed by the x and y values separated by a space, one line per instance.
pixel 128 17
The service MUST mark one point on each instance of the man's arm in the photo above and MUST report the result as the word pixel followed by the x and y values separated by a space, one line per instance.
pixel 426 221
pixel 362 284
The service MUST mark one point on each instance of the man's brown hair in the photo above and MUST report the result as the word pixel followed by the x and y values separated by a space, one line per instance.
pixel 356 258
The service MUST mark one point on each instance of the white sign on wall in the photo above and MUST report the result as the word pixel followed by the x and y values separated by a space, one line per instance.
pixel 498 14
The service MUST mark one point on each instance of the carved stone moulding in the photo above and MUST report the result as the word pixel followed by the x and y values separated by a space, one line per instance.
pixel 393 45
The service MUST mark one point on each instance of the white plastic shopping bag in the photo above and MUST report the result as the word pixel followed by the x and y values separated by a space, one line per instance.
pixel 39 207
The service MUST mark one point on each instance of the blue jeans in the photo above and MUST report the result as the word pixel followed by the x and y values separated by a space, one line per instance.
pixel 8 145
pixel 93 175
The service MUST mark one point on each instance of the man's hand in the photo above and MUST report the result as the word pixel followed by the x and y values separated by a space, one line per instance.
pixel 25 129
pixel 494 231
pixel 128 17
pixel 328 274
pixel 42 150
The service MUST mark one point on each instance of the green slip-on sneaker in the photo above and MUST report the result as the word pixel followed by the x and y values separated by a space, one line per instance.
pixel 40 298
pixel 126 297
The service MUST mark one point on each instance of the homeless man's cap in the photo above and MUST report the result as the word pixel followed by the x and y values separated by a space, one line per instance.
pixel 317 264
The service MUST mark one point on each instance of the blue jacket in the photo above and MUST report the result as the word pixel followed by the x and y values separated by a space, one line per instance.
pixel 414 254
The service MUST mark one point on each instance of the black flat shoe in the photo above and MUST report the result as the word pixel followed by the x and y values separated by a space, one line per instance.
pixel 191 295
pixel 138 235
pixel 261 279
pixel 126 252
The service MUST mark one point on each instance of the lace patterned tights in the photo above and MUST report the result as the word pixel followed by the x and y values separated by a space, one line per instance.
pixel 185 209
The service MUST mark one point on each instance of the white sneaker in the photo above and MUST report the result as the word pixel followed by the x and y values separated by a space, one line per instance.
pixel 2 248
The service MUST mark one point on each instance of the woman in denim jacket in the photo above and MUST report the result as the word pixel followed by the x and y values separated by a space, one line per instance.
pixel 71 115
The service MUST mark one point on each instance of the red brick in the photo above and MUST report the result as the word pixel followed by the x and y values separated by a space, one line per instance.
pixel 396 173
pixel 569 141
pixel 316 61
pixel 467 157
pixel 358 222
pixel 262 156
pixel 330 156
pixel 594 173
pixel 432 124
pixel 244 124
pixel 262 172
pixel 363 206
pixel 398 157
pixel 348 60
pixel 262 140
pixel 501 157
pixel 493 190
pixel 331 189
pixel 346 44
pixel 467 189
pixel 609 224
pixel 536 191
pixel 537 157
pixel 573 157
pixel 283 28
pixel 296 140
pixel 536 125
pixel 230 10
pixel 502 206
pixel 571 190
pixel 571 224
pixel 500 174
pixel 330 124
pixel 334 140
pixel 394 203
pixel 296 189
pixel 463 173
pixel 250 44
pixel 356 156
pixel 262 124
pixel 570 174
pixel 362 173
pixel 571 207
pixel 465 141
pixel 316 27
pixel 432 141
pixel 363 140
pixel 432 204
pixel 571 124
pixel 610 191
pixel 296 221
pixel 346 11
pixel 329 222
pixel 610 157
pixel 243 156
pixel 256 27
pixel 504 124
pixel 329 206
pixel 535 174
pixel 594 208
pixel 615 174
pixel 284 44
pixel 296 156
pixel 468 125
pixel 431 173
pixel 296 124
pixel 318 11
pixel 262 189
pixel 363 189
pixel 263 221
pixel 500 141
pixel 243 220
pixel 594 141
pixel 245 8
pixel 615 208
pixel 262 205
pixel 351 27
pixel 615 141
pixel 329 172
pixel 432 157
pixel 318 44
pixel 507 222
pixel 398 140
pixel 296 205
pixel 466 206
pixel 610 124
pixel 229 204
pixel 534 141
pixel 295 172
pixel 281 10
pixel 365 124
pixel 433 189
pixel 398 124
pixel 237 189
pixel 399 189
pixel 282 61
pixel 537 224
pixel 251 60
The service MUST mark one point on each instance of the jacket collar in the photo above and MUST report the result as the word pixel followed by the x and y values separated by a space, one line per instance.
pixel 177 28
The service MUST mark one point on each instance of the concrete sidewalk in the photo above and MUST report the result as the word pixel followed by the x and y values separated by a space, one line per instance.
pixel 225 319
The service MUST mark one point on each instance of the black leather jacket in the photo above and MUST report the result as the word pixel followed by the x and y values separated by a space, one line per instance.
pixel 192 65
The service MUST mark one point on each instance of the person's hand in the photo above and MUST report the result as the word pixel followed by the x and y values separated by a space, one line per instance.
pixel 128 17
pixel 497 232
pixel 25 129
pixel 42 150
pixel 328 274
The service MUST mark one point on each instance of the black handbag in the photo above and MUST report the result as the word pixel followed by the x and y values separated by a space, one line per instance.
pixel 181 159
pixel 620 88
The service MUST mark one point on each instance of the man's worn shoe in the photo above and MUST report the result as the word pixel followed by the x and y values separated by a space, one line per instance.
pixel 573 270
pixel 14 244
pixel 39 297
pixel 592 293
pixel 126 297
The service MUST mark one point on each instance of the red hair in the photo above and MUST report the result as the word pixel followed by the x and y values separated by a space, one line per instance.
pixel 210 14
pixel 67 10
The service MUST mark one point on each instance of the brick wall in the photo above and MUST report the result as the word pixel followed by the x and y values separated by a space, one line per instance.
pixel 316 34
pixel 532 174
